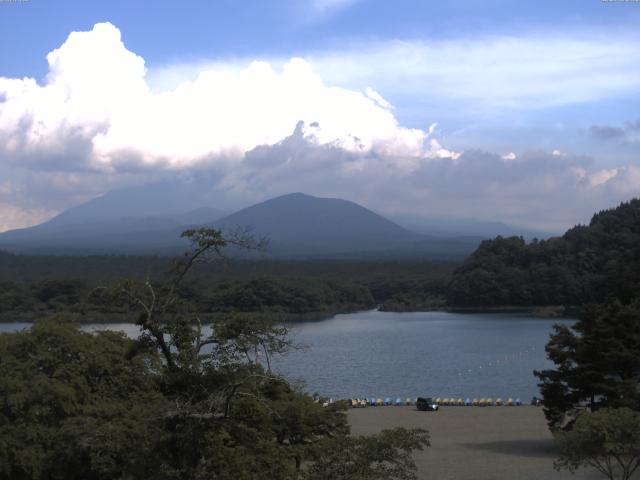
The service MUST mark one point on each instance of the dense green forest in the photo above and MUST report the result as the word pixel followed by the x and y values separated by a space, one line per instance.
pixel 589 263
pixel 33 286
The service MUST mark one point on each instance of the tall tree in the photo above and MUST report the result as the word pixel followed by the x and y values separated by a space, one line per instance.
pixel 597 363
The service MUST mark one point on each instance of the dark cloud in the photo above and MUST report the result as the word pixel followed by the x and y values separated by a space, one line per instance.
pixel 633 126
pixel 606 132
pixel 540 189
pixel 626 134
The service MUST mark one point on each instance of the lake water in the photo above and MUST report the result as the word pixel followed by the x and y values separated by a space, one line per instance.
pixel 435 354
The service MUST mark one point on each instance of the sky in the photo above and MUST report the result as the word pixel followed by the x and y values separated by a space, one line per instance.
pixel 521 112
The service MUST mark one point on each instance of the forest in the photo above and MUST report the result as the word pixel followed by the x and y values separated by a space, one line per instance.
pixel 33 286
pixel 589 263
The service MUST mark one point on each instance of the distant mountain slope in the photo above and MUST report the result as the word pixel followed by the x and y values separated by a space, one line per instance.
pixel 140 235
pixel 586 264
pixel 455 227
pixel 298 225
pixel 146 219
pixel 302 224
pixel 163 199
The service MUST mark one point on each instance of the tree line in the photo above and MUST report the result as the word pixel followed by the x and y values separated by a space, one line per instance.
pixel 293 290
pixel 589 263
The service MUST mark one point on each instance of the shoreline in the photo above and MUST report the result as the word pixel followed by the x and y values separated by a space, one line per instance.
pixel 543 312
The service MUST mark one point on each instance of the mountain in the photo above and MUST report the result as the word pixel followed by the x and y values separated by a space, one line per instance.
pixel 145 219
pixel 161 199
pixel 141 220
pixel 298 226
pixel 587 264
pixel 302 224
pixel 139 235
pixel 457 227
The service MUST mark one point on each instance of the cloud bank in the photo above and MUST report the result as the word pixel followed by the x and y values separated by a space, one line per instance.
pixel 261 130
pixel 95 110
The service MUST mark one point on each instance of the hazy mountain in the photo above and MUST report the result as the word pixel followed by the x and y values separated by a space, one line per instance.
pixel 454 227
pixel 162 199
pixel 302 225
pixel 298 226
pixel 299 223
pixel 141 219
pixel 141 235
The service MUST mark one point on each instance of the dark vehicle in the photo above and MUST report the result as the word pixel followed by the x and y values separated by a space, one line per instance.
pixel 426 404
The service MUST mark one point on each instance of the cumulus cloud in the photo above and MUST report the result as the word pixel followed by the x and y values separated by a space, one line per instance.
pixel 525 189
pixel 96 108
pixel 264 129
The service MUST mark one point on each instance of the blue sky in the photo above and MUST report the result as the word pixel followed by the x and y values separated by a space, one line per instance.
pixel 522 81
pixel 164 32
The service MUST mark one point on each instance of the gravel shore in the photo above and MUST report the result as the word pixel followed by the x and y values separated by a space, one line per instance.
pixel 475 443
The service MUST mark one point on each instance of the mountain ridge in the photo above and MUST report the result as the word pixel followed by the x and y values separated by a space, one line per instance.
pixel 298 225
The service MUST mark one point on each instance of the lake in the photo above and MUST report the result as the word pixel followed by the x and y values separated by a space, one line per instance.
pixel 435 354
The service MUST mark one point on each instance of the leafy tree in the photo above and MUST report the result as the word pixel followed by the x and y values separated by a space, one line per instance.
pixel 607 440
pixel 225 393
pixel 183 401
pixel 597 363
pixel 384 456
pixel 75 405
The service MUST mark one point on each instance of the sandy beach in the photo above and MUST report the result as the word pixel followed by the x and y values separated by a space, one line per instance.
pixel 475 443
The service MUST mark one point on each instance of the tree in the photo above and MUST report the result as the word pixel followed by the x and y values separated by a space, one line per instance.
pixel 597 363
pixel 75 405
pixel 385 456
pixel 607 440
pixel 183 401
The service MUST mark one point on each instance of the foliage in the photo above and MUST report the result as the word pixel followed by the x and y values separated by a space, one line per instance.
pixel 35 287
pixel 183 401
pixel 75 405
pixel 597 363
pixel 385 456
pixel 607 440
pixel 587 264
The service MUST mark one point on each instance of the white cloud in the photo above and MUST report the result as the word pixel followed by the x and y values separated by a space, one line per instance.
pixel 602 176
pixel 96 96
pixel 261 129
pixel 12 216
pixel 480 77
pixel 535 70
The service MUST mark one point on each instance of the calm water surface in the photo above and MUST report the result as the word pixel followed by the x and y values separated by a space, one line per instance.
pixel 427 353
pixel 409 354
